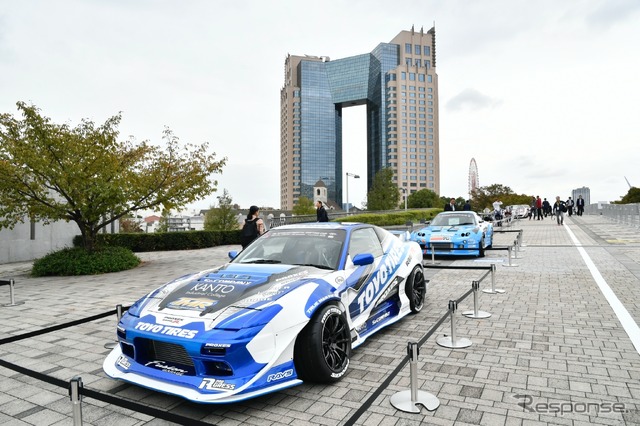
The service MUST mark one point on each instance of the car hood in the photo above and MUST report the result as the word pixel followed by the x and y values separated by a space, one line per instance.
pixel 447 229
pixel 233 287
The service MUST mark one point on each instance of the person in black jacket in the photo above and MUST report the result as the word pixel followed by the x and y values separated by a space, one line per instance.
pixel 321 213
pixel 451 206
pixel 580 205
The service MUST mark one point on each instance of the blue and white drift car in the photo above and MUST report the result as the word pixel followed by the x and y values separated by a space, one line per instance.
pixel 460 233
pixel 288 308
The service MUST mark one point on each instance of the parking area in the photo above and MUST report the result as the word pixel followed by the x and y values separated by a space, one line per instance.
pixel 555 350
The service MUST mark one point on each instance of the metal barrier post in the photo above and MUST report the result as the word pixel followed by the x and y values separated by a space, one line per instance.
pixel 433 254
pixel 111 345
pixel 520 243
pixel 12 296
pixel 515 249
pixel 406 400
pixel 451 341
pixel 76 399
pixel 477 314
pixel 493 290
pixel 509 254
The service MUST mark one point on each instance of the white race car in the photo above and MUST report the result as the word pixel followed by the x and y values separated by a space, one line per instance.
pixel 288 308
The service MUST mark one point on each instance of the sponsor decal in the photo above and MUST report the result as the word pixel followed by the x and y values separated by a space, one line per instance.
pixel 191 304
pixel 211 288
pixel 361 327
pixel 318 302
pixel 217 345
pixel 215 384
pixel 440 238
pixel 172 320
pixel 123 362
pixel 279 376
pixel 390 288
pixel 384 273
pixel 339 280
pixel 380 318
pixel 166 330
pixel 160 365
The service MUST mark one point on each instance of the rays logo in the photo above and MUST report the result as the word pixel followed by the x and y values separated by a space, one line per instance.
pixel 279 376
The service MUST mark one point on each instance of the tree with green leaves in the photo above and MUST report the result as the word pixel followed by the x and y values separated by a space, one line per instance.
pixel 304 206
pixel 223 217
pixel 484 197
pixel 384 194
pixel 52 172
pixel 130 224
pixel 423 199
pixel 632 196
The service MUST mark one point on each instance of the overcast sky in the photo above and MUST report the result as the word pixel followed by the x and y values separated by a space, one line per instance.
pixel 543 94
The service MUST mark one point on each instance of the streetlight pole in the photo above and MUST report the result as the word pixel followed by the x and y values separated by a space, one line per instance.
pixel 404 195
pixel 355 176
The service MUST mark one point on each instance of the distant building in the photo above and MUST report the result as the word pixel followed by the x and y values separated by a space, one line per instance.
pixel 33 240
pixel 151 223
pixel 397 82
pixel 185 222
pixel 585 192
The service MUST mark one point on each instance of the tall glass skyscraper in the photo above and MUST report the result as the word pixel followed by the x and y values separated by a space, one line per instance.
pixel 397 82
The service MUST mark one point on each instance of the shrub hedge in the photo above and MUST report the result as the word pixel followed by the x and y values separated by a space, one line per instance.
pixel 164 241
pixel 77 261
pixel 392 219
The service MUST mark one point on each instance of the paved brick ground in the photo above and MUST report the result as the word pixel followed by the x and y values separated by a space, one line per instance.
pixel 552 339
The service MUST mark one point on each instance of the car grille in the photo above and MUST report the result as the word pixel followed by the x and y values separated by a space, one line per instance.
pixel 154 350
pixel 437 246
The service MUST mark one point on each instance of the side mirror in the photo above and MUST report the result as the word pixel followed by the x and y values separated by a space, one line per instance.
pixel 232 254
pixel 363 259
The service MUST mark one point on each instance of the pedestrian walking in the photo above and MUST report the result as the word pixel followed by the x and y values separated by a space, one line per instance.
pixel 569 204
pixel 559 208
pixel 580 205
pixel 321 213
pixel 539 207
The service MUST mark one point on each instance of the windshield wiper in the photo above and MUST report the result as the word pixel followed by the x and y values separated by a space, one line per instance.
pixel 315 266
pixel 466 223
pixel 264 261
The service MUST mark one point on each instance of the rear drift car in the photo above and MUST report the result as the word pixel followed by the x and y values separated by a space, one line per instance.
pixel 289 308
pixel 461 233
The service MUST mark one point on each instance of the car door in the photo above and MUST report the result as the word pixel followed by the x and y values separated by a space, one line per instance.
pixel 364 283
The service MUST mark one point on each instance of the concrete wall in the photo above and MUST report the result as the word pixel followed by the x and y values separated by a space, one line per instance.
pixel 16 244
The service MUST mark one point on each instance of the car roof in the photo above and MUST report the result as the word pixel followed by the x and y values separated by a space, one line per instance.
pixel 323 225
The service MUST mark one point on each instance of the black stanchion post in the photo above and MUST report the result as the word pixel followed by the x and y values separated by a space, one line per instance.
pixel 477 314
pixel 12 296
pixel 111 345
pixel 407 400
pixel 493 289
pixel 76 399
pixel 452 341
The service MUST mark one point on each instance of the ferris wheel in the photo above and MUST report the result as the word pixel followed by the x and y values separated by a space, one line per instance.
pixel 474 181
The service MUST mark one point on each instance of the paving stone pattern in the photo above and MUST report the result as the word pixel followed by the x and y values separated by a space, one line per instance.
pixel 552 341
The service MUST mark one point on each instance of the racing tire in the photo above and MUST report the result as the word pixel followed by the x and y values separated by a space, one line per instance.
pixel 323 347
pixel 481 248
pixel 416 289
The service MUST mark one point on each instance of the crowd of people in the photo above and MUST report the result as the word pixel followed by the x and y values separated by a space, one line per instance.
pixel 541 208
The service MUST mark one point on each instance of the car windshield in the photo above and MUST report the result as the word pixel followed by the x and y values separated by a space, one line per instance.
pixel 312 247
pixel 453 220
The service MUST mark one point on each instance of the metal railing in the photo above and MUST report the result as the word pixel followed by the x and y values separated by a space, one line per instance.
pixel 628 214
